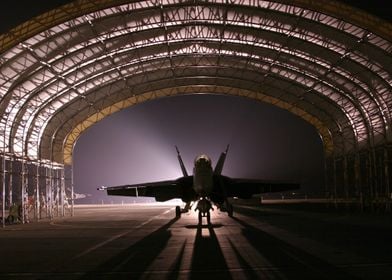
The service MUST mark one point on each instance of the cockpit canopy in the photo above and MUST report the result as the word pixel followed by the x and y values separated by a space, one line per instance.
pixel 202 159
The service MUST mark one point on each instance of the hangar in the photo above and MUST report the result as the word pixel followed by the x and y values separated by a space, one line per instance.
pixel 324 61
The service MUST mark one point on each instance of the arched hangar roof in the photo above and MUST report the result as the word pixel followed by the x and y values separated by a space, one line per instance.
pixel 63 71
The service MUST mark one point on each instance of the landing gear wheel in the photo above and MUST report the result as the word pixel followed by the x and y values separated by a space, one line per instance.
pixel 200 218
pixel 230 210
pixel 178 212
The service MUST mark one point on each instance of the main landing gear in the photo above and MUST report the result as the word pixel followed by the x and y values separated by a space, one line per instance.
pixel 204 206
pixel 229 209
pixel 179 211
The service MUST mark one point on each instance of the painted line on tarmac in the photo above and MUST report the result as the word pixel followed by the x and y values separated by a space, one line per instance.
pixel 93 248
pixel 53 223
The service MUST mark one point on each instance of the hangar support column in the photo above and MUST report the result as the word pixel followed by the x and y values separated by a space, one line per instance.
pixel 345 177
pixel 23 186
pixel 49 195
pixel 37 190
pixel 387 168
pixel 56 189
pixel 63 196
pixel 72 193
pixel 3 172
pixel 357 178
pixel 10 181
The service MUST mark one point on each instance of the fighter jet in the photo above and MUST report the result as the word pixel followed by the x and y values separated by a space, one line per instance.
pixel 205 187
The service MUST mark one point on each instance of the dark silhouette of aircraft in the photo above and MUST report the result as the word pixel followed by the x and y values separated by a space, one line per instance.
pixel 205 187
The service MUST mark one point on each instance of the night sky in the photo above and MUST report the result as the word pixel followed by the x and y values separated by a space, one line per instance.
pixel 137 144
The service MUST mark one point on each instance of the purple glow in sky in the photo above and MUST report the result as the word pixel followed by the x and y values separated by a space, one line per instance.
pixel 137 144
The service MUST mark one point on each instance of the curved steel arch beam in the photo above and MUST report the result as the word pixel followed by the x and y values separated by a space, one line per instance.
pixel 94 110
pixel 143 62
pixel 142 90
pixel 151 81
pixel 368 129
pixel 109 3
pixel 67 12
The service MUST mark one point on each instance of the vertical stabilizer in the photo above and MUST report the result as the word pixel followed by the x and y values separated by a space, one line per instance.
pixel 183 169
pixel 219 165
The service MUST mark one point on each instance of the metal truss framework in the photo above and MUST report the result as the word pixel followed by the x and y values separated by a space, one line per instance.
pixel 326 62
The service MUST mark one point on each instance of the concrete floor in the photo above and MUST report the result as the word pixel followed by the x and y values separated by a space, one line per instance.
pixel 146 242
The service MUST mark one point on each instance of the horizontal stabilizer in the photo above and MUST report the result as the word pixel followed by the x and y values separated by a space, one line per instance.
pixel 125 191
pixel 162 190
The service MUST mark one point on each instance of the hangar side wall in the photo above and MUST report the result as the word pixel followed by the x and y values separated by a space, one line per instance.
pixel 363 178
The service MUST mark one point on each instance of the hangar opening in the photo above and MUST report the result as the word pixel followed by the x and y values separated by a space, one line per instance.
pixel 69 68
pixel 137 144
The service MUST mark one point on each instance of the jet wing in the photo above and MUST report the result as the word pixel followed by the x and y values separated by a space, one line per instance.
pixel 245 188
pixel 162 190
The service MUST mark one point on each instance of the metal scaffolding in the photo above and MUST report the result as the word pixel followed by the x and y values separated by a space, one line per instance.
pixel 36 188
pixel 323 61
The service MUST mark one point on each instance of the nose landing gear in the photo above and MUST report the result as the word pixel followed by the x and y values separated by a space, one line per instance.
pixel 201 215
pixel 204 206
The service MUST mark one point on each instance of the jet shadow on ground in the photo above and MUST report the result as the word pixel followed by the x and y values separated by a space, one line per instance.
pixel 208 259
pixel 134 260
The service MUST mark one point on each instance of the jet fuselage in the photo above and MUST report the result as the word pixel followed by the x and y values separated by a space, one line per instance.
pixel 203 176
